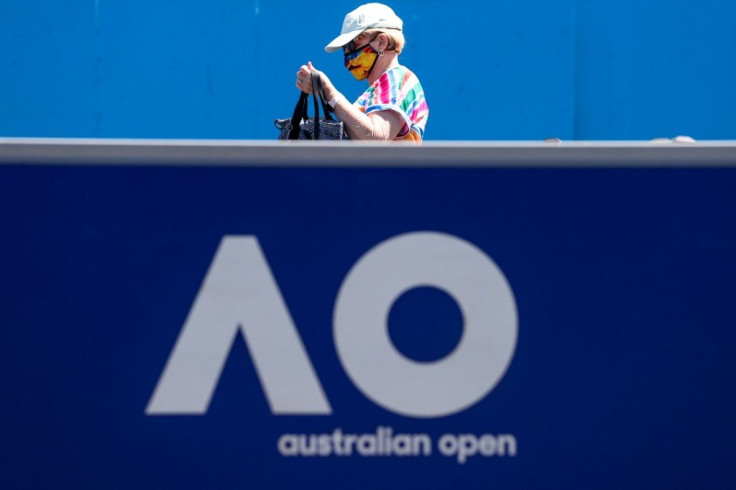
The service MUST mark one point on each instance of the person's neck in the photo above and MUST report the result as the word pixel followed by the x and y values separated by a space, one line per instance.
pixel 383 64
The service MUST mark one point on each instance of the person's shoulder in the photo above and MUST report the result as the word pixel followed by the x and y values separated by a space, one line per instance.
pixel 405 70
pixel 402 75
pixel 402 72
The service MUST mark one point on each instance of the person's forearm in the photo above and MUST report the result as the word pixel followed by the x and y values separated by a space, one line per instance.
pixel 358 125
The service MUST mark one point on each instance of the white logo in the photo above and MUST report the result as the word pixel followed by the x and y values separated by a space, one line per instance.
pixel 239 293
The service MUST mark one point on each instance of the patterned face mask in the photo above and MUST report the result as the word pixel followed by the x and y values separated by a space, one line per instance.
pixel 361 60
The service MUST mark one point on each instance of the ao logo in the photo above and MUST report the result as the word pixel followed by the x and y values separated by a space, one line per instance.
pixel 239 293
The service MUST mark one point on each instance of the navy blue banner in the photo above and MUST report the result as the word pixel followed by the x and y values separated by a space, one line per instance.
pixel 609 297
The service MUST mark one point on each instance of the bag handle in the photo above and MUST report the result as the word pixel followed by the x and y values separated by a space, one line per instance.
pixel 301 111
pixel 315 81
pixel 319 92
pixel 317 85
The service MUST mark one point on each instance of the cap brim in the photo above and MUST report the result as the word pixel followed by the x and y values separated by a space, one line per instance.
pixel 342 40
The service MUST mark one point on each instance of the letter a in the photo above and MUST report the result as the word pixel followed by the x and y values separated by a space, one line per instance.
pixel 239 293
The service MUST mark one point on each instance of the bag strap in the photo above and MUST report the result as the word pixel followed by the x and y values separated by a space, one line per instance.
pixel 300 112
pixel 317 84
pixel 315 81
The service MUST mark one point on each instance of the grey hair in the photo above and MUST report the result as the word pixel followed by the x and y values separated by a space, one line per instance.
pixel 397 41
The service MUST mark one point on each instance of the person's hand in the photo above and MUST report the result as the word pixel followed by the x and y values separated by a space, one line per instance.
pixel 304 78
pixel 304 81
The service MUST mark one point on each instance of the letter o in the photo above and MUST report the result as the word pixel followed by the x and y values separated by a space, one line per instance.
pixel 447 445
pixel 445 386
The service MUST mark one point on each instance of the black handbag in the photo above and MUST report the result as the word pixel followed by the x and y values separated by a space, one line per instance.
pixel 303 127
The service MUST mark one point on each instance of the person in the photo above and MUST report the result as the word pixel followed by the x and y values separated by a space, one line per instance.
pixel 393 107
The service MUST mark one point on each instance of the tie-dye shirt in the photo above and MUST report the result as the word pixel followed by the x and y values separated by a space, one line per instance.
pixel 398 90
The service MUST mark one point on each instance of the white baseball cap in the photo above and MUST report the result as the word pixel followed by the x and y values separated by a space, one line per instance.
pixel 368 16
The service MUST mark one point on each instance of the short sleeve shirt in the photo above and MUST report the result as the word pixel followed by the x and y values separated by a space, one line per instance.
pixel 398 90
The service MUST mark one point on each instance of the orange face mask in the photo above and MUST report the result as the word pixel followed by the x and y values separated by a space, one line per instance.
pixel 360 61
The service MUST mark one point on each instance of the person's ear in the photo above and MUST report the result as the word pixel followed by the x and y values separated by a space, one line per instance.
pixel 383 42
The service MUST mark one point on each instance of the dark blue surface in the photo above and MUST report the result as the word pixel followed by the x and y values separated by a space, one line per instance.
pixel 625 282
pixel 425 324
